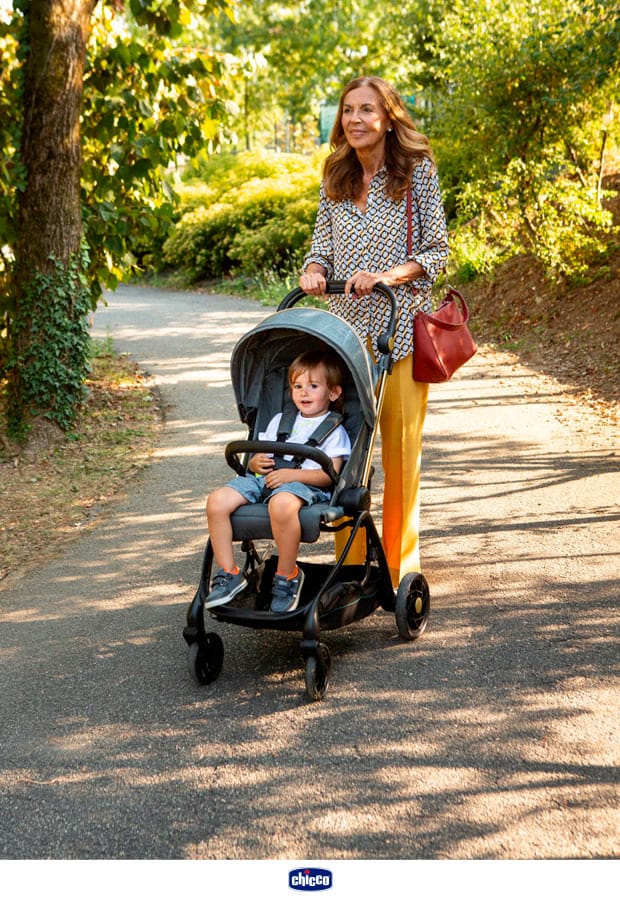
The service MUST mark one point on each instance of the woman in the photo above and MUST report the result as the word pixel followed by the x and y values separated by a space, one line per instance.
pixel 361 236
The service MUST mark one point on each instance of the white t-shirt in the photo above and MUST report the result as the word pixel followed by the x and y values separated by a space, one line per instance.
pixel 336 444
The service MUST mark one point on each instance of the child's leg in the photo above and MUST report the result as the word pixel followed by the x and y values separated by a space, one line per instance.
pixel 221 504
pixel 286 528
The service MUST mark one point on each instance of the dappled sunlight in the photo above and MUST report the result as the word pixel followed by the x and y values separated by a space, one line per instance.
pixel 218 438
pixel 492 736
pixel 434 754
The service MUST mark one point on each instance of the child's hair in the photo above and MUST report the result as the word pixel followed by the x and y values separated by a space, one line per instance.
pixel 313 359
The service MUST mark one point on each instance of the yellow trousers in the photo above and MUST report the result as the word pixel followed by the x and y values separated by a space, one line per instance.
pixel 401 423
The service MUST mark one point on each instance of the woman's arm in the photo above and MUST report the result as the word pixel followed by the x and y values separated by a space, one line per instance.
pixel 318 265
pixel 362 283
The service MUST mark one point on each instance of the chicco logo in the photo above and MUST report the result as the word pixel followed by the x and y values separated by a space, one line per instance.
pixel 310 879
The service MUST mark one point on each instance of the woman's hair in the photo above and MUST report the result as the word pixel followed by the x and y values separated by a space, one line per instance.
pixel 404 147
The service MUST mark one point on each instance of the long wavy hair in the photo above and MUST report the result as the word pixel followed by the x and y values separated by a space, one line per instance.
pixel 404 147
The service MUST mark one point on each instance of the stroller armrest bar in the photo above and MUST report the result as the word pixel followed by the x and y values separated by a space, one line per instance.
pixel 236 448
pixel 386 341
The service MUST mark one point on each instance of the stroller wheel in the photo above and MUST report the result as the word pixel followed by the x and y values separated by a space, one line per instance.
pixel 205 658
pixel 413 603
pixel 318 667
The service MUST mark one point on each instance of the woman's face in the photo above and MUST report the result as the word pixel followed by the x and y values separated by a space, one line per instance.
pixel 364 120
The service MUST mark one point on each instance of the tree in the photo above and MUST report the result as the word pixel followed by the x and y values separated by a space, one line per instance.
pixel 47 344
pixel 70 225
pixel 519 92
pixel 310 51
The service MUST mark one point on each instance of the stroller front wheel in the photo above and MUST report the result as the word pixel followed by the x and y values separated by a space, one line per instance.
pixel 205 658
pixel 413 603
pixel 318 667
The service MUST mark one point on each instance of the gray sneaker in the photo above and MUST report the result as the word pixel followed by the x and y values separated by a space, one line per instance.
pixel 224 587
pixel 286 592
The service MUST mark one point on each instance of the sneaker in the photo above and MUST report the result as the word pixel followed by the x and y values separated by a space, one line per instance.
pixel 224 587
pixel 286 592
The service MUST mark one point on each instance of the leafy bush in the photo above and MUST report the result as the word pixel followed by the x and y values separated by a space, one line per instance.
pixel 280 243
pixel 520 112
pixel 473 251
pixel 543 209
pixel 254 213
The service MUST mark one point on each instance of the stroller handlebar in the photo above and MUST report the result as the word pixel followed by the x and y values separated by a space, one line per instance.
pixel 385 342
pixel 288 448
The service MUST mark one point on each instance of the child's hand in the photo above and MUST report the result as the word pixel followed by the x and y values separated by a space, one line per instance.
pixel 261 463
pixel 278 477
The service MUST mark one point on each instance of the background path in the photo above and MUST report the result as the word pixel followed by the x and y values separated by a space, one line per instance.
pixel 495 736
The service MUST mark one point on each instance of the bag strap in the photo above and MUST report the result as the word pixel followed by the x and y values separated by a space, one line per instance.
pixel 454 296
pixel 409 226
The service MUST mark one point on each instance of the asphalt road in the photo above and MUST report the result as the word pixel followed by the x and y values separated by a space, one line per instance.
pixel 493 737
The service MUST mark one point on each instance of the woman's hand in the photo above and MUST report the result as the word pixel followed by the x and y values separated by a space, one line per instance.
pixel 313 281
pixel 361 284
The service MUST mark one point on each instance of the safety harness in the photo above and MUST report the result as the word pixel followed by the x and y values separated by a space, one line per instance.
pixel 320 434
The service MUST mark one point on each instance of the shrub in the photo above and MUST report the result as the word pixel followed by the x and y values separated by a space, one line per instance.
pixel 279 244
pixel 255 213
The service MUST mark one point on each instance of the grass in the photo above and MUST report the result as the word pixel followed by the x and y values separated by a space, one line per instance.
pixel 45 502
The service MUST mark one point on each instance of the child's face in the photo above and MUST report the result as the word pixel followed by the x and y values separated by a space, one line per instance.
pixel 311 393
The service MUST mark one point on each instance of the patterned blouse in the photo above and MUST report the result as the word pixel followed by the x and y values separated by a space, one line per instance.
pixel 347 240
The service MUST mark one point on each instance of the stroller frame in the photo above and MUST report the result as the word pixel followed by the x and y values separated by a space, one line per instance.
pixel 334 595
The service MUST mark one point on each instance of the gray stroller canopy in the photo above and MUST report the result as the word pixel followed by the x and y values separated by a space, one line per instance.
pixel 271 347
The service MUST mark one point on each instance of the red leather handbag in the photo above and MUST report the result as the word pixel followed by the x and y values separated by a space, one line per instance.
pixel 442 342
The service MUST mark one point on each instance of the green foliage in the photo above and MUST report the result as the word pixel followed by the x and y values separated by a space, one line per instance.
pixel 291 56
pixel 521 94
pixel 255 214
pixel 280 243
pixel 147 102
pixel 47 372
pixel 473 252
pixel 146 105
pixel 11 173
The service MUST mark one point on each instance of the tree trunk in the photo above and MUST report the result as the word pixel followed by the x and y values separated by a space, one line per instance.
pixel 49 225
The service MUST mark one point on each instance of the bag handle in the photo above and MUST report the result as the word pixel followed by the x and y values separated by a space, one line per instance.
pixel 453 296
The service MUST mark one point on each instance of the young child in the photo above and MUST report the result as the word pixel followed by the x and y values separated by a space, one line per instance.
pixel 315 381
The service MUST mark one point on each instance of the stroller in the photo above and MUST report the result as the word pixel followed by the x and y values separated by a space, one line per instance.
pixel 335 594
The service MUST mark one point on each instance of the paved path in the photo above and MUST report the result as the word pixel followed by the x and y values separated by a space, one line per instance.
pixel 495 736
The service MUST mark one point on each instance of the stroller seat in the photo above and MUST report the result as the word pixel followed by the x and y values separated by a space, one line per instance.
pixel 251 522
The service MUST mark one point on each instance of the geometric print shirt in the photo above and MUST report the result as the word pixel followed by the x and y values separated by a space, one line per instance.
pixel 347 240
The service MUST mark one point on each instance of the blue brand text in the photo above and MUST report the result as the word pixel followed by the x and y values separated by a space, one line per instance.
pixel 310 879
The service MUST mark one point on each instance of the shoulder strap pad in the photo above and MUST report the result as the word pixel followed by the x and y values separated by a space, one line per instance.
pixel 287 421
pixel 331 421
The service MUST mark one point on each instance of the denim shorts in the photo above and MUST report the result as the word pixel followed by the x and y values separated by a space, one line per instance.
pixel 253 489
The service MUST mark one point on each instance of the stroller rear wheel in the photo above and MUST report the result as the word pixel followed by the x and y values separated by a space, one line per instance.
pixel 318 667
pixel 413 603
pixel 205 658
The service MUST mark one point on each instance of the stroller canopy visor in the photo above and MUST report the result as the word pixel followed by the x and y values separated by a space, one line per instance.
pixel 280 338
